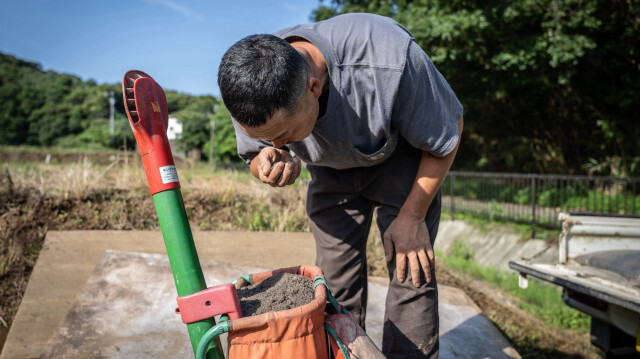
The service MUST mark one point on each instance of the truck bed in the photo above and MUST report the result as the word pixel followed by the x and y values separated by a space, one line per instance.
pixel 599 270
pixel 595 281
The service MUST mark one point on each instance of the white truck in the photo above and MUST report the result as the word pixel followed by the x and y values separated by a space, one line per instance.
pixel 599 271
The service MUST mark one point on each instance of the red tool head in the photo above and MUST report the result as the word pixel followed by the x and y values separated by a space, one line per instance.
pixel 146 107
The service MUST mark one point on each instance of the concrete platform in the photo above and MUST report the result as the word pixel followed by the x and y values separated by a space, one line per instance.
pixel 84 301
pixel 68 258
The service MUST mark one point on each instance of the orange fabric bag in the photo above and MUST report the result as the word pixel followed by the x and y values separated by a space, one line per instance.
pixel 288 334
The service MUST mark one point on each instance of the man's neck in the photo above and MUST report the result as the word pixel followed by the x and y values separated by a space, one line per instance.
pixel 315 60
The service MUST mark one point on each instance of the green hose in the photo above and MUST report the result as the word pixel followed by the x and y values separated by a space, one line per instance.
pixel 211 334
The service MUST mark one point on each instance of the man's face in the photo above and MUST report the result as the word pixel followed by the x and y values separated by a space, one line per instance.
pixel 286 127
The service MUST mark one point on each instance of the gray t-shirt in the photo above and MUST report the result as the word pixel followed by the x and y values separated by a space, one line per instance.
pixel 382 86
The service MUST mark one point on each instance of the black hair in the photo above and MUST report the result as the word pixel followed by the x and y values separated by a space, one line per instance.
pixel 260 75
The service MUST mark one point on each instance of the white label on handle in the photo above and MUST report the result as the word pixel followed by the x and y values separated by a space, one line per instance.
pixel 168 174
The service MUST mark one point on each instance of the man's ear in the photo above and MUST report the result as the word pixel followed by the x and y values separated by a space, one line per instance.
pixel 314 85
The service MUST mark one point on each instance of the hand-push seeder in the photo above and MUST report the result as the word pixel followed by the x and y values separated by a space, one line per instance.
pixel 146 107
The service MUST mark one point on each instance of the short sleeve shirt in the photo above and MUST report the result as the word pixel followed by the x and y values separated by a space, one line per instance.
pixel 382 86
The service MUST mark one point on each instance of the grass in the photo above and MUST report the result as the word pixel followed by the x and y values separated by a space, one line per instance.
pixel 613 196
pixel 486 224
pixel 212 196
pixel 540 298
pixel 234 171
pixel 40 150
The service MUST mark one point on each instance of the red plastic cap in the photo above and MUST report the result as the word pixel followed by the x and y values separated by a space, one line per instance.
pixel 148 116
pixel 221 299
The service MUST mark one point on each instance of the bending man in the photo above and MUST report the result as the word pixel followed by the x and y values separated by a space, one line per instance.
pixel 377 126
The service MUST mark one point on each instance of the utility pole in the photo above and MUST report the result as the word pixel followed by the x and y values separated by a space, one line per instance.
pixel 112 127
pixel 212 127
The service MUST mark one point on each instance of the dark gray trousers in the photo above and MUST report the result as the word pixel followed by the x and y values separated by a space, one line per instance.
pixel 340 204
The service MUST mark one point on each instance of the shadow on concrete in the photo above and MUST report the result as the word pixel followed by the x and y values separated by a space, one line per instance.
pixel 474 338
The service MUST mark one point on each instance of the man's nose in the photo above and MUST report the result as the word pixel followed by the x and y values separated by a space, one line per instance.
pixel 279 143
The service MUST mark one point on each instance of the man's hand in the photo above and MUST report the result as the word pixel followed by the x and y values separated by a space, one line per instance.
pixel 408 233
pixel 276 167
pixel 410 237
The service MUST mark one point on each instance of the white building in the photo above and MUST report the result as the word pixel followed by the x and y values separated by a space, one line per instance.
pixel 174 130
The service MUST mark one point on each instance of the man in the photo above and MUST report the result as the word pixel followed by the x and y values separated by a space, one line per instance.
pixel 359 102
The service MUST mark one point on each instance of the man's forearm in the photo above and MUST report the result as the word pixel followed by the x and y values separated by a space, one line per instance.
pixel 431 174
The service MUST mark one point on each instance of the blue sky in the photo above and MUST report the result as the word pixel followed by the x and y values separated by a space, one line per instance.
pixel 177 42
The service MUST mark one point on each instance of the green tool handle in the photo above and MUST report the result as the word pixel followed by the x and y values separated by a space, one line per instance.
pixel 183 258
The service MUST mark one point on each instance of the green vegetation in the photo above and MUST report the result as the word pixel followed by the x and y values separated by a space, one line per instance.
pixel 47 108
pixel 540 299
pixel 50 109
pixel 224 137
pixel 553 193
pixel 548 86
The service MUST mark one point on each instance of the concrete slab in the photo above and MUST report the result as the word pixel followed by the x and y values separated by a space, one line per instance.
pixel 68 258
pixel 125 309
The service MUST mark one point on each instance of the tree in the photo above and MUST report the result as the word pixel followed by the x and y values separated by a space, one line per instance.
pixel 195 116
pixel 548 86
pixel 225 148
pixel 52 109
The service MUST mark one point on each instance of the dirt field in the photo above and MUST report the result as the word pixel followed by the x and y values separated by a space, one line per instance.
pixel 83 195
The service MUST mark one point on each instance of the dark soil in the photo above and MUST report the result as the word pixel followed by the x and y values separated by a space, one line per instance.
pixel 281 291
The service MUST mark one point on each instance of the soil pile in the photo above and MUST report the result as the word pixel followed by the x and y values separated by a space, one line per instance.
pixel 281 291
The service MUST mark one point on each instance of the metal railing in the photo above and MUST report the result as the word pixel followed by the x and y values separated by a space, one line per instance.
pixel 537 199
